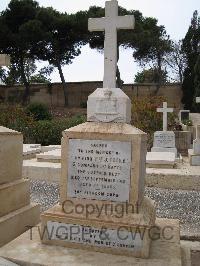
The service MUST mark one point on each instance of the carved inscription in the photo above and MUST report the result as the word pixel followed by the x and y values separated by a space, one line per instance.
pixel 99 169
pixel 109 238
pixel 164 139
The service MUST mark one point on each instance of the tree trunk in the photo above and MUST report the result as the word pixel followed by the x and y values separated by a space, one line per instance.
pixel 65 90
pixel 159 74
pixel 26 94
pixel 119 80
pixel 118 75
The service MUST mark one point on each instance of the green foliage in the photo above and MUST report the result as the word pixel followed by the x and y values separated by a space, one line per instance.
pixel 16 118
pixel 83 104
pixel 187 122
pixel 50 132
pixel 191 44
pixel 151 75
pixel 12 75
pixel 46 132
pixel 39 111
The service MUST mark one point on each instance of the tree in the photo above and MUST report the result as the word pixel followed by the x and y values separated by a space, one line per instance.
pixel 63 36
pixel 191 47
pixel 150 76
pixel 19 32
pixel 12 75
pixel 176 61
pixel 197 84
pixel 151 46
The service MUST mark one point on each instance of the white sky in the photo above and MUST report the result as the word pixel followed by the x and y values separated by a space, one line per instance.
pixel 175 15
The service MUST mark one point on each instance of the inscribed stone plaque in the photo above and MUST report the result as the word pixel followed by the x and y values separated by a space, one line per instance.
pixel 99 169
pixel 164 139
pixel 109 238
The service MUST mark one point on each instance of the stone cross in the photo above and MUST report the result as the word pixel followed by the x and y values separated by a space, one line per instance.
pixel 165 110
pixel 110 24
pixel 4 60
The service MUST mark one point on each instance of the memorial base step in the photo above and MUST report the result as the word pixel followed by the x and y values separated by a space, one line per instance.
pixel 194 159
pixel 28 250
pixel 126 235
pixel 14 196
pixel 15 223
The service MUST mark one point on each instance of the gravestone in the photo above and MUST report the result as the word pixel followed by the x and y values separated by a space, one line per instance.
pixel 194 154
pixel 16 211
pixel 164 141
pixel 103 168
pixel 197 99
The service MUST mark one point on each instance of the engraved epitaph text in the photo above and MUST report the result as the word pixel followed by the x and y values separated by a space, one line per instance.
pixel 87 235
pixel 99 169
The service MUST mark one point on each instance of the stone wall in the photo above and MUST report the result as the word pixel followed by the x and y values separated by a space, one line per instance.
pixel 79 91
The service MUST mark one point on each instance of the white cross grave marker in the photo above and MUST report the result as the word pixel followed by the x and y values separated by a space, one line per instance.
pixel 110 24
pixel 4 60
pixel 165 110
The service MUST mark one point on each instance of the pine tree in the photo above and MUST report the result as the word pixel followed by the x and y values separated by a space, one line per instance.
pixel 191 46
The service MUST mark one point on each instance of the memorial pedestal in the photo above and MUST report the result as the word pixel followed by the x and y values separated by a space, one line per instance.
pixel 16 212
pixel 103 170
pixel 129 235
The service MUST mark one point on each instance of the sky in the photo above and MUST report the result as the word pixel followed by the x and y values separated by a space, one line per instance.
pixel 175 15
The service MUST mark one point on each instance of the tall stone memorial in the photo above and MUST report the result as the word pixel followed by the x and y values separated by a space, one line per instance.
pixel 17 214
pixel 164 141
pixel 16 211
pixel 102 203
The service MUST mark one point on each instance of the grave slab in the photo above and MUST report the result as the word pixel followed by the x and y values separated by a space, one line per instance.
pixel 34 170
pixel 53 156
pixel 30 150
pixel 29 250
pixel 13 196
pixel 50 148
pixel 160 159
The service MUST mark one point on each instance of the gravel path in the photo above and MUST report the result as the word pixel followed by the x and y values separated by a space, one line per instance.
pixel 182 205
